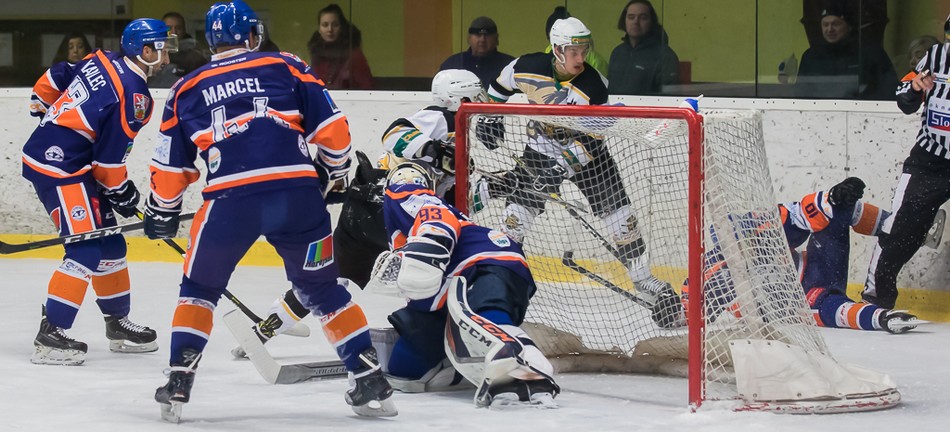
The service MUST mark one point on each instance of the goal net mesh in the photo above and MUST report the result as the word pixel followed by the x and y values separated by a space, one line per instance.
pixel 593 182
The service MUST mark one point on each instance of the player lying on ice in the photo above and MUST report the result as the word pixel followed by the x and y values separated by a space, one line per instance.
pixel 822 221
pixel 439 259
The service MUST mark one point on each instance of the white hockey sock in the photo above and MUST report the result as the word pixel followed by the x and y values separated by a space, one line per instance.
pixel 518 221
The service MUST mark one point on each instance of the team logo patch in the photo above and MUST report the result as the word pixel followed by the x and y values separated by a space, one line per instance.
pixel 214 159
pixel 54 154
pixel 78 213
pixel 319 254
pixel 302 146
pixel 499 238
pixel 140 105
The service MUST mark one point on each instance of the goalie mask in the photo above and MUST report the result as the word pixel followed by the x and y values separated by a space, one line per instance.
pixel 451 86
pixel 418 173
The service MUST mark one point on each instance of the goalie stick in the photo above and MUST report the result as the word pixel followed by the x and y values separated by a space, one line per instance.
pixel 299 329
pixel 10 248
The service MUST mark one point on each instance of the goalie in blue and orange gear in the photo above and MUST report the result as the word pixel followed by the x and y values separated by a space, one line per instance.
pixel 821 222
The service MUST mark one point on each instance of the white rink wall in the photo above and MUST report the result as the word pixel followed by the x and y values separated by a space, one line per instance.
pixel 811 145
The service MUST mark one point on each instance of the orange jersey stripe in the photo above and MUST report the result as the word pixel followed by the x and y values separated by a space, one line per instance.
pixel 169 184
pixel 479 258
pixel 260 179
pixel 77 208
pixel 112 284
pixel 812 209
pixel 868 220
pixel 110 176
pixel 334 136
pixel 193 316
pixel 401 195
pixel 910 76
pixel 120 89
pixel 68 287
pixel 196 224
pixel 40 169
pixel 852 317
pixel 46 90
pixel 341 325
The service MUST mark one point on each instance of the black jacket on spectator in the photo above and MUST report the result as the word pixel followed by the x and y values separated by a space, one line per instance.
pixel 486 68
pixel 846 70
pixel 643 69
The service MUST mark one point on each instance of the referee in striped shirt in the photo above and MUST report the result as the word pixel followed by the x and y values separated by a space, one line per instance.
pixel 924 184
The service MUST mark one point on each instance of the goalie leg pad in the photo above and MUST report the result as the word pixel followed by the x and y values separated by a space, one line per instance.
pixel 422 332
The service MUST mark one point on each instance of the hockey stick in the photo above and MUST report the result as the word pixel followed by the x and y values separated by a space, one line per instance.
pixel 9 248
pixel 237 302
pixel 568 261
pixel 270 370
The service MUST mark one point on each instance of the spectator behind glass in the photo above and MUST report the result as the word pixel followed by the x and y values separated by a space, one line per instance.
pixel 72 49
pixel 840 67
pixel 918 49
pixel 190 56
pixel 644 62
pixel 482 57
pixel 593 58
pixel 335 52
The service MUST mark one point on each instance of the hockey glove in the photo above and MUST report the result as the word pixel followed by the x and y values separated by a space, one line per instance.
pixel 161 223
pixel 440 155
pixel 490 130
pixel 333 184
pixel 846 193
pixel 123 199
pixel 422 267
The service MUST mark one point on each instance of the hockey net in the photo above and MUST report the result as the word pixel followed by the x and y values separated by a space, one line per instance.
pixel 695 184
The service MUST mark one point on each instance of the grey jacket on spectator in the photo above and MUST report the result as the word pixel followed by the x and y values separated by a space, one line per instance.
pixel 643 69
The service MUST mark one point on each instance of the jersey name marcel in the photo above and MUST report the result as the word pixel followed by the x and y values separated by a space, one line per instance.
pixel 533 75
pixel 412 210
pixel 91 126
pixel 250 117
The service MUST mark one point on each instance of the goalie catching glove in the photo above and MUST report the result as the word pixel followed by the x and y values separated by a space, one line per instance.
pixel 421 268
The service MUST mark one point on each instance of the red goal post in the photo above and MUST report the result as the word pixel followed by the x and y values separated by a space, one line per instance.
pixel 682 174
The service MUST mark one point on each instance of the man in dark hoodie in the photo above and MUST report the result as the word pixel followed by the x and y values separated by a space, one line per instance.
pixel 840 67
pixel 644 62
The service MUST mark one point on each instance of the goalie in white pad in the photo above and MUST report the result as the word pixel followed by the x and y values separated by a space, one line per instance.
pixel 435 243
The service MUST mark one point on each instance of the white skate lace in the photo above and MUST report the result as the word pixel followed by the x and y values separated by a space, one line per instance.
pixel 62 333
pixel 131 326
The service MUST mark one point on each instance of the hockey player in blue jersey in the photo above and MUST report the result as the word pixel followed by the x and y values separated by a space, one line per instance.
pixel 76 162
pixel 433 243
pixel 250 116
pixel 821 222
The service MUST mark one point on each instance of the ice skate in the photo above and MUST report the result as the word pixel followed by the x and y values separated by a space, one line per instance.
pixel 524 394
pixel 899 321
pixel 370 395
pixel 54 347
pixel 667 310
pixel 177 391
pixel 128 337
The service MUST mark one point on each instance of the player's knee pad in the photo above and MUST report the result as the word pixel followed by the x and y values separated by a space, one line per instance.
pixel 496 287
pixel 423 331
pixel 87 253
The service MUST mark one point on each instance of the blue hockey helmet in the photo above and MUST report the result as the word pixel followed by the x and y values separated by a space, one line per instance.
pixel 229 23
pixel 147 31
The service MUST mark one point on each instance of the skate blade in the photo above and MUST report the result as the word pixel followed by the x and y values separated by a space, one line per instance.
pixel 511 402
pixel 51 356
pixel 171 412
pixel 906 326
pixel 128 347
pixel 383 408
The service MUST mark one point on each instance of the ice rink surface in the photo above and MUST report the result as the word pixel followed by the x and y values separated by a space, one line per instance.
pixel 115 391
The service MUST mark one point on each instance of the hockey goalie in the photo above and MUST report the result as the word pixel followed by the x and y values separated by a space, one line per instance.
pixel 468 287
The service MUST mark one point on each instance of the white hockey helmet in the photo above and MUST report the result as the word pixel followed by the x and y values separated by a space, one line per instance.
pixel 569 31
pixel 412 172
pixel 451 85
